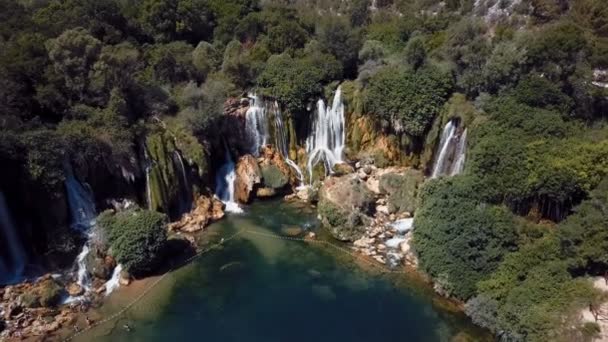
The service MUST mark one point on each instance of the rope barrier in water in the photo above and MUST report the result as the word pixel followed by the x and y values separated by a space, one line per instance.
pixel 119 313
pixel 149 288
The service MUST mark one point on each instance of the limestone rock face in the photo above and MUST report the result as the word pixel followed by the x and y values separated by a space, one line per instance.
pixel 345 207
pixel 248 177
pixel 206 210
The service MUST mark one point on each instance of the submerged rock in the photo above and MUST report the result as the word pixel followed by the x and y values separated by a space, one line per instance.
pixel 344 207
pixel 292 231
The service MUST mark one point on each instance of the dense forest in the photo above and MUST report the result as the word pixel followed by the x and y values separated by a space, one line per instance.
pixel 88 82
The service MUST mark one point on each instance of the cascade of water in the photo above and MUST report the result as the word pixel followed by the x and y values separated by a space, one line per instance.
pixel 281 140
pixel 16 253
pixel 82 206
pixel 82 275
pixel 451 153
pixel 256 123
pixel 224 181
pixel 327 138
pixel 186 194
pixel 460 154
pixel 114 282
pixel 441 162
pixel 148 188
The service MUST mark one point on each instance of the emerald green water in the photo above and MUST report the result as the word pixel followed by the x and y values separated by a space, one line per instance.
pixel 256 288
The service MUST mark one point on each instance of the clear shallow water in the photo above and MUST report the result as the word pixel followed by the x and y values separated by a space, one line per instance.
pixel 260 289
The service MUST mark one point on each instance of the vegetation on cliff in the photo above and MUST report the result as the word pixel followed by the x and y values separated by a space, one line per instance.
pixel 91 81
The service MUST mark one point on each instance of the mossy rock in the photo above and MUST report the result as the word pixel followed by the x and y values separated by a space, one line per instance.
pixel 30 300
pixel 402 190
pixel 273 177
pixel 50 293
pixel 342 224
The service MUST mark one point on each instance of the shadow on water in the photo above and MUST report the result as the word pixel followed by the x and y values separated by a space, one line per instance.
pixel 256 288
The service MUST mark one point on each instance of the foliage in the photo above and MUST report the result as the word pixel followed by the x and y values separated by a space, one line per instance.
pixel 584 234
pixel 458 238
pixel 293 80
pixel 136 238
pixel 410 100
pixel 73 54
pixel 415 53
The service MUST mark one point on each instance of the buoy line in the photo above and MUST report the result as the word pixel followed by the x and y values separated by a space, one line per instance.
pixel 119 313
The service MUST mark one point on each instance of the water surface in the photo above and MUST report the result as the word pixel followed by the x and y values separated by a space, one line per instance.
pixel 256 288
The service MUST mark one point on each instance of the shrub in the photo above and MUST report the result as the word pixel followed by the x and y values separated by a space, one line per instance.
pixel 136 238
pixel 410 100
pixel 458 238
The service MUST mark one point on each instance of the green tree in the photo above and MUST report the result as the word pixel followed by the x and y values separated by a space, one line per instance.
pixel 205 58
pixel 73 54
pixel 458 250
pixel 337 37
pixel 410 100
pixel 415 53
pixel 584 234
pixel 137 238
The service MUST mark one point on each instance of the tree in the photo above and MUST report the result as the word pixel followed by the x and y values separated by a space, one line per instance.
pixel 293 81
pixel 592 14
pixel 584 234
pixel 337 37
pixel 359 13
pixel 137 238
pixel 415 53
pixel 205 58
pixel 73 54
pixel 460 249
pixel 117 66
pixel 410 100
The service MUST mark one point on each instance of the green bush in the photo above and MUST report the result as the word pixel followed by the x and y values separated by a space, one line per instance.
pixel 136 238
pixel 459 240
pixel 410 100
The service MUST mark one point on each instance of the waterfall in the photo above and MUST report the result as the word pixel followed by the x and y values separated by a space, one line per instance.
pixel 114 281
pixel 327 138
pixel 451 153
pixel 256 123
pixel 281 141
pixel 82 275
pixel 82 206
pixel 14 266
pixel 83 278
pixel 186 193
pixel 224 181
pixel 460 154
pixel 148 188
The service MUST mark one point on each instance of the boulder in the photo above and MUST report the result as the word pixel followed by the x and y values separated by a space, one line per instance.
pixel 274 177
pixel 265 192
pixel 292 231
pixel 345 207
pixel 342 169
pixel 271 156
pixel 248 177
pixel 206 210
pixel 75 290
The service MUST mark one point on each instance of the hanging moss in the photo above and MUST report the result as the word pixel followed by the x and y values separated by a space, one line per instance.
pixel 292 138
pixel 164 185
